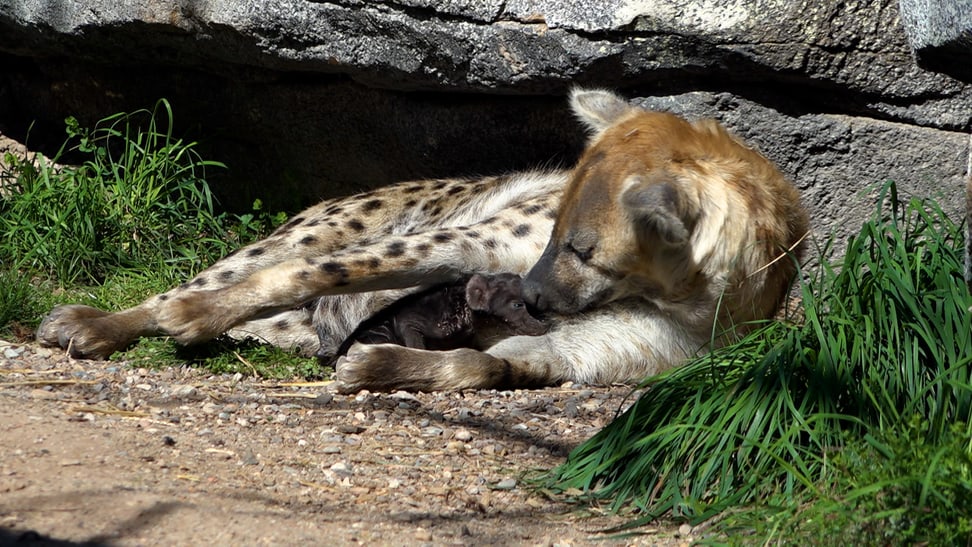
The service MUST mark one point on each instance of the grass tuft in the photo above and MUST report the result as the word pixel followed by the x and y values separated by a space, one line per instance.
pixel 780 415
pixel 138 202
pixel 134 218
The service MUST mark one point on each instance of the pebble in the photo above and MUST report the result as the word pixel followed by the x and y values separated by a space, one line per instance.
pixel 210 408
pixel 43 352
pixel 421 534
pixel 184 392
pixel 505 484
pixel 12 352
pixel 342 469
pixel 42 394
pixel 463 435
pixel 684 530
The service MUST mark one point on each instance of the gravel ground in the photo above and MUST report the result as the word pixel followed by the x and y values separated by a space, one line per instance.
pixel 99 452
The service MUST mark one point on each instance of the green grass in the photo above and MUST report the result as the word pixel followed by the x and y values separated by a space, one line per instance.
pixel 224 355
pixel 138 201
pixel 134 217
pixel 822 414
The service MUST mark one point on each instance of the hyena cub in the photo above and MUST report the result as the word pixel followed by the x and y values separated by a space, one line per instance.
pixel 473 312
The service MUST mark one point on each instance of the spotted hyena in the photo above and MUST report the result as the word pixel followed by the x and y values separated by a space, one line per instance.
pixel 473 312
pixel 664 236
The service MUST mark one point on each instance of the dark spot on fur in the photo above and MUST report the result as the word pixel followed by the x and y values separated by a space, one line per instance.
pixel 532 210
pixel 331 223
pixel 411 203
pixel 313 223
pixel 163 297
pixel 283 324
pixel 372 205
pixel 440 184
pixel 334 268
pixel 198 282
pixel 473 234
pixel 436 211
pixel 551 214
pixel 226 275
pixel 442 237
pixel 308 240
pixel 395 249
pixel 356 225
pixel 292 223
pixel 423 249
pixel 256 252
pixel 489 221
pixel 303 275
pixel 456 190
pixel 490 243
pixel 368 263
pixel 414 188
pixel 522 230
pixel 409 262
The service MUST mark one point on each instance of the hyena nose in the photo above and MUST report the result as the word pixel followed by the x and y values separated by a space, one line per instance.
pixel 533 296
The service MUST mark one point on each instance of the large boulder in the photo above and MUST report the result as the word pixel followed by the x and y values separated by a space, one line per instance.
pixel 940 31
pixel 306 99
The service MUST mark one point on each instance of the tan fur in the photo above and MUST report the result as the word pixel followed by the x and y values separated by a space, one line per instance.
pixel 665 232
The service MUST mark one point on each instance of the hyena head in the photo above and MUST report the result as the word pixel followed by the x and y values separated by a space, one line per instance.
pixel 660 208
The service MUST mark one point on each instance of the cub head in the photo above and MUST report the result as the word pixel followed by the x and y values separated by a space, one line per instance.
pixel 500 295
pixel 625 223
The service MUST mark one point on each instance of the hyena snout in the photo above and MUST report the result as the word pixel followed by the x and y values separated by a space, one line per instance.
pixel 544 292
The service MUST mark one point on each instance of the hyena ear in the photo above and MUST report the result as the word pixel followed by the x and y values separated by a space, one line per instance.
pixel 598 109
pixel 654 208
pixel 478 293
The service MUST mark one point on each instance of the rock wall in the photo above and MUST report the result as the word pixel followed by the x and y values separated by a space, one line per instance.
pixel 306 99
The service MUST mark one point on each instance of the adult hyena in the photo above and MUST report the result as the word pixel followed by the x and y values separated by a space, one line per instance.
pixel 664 233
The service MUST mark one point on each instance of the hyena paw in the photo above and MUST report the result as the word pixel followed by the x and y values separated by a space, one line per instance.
pixel 376 367
pixel 85 332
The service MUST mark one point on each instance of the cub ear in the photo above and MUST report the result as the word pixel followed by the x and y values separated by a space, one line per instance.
pixel 654 208
pixel 598 109
pixel 478 293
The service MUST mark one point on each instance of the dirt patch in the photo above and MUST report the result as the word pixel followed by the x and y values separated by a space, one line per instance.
pixel 99 452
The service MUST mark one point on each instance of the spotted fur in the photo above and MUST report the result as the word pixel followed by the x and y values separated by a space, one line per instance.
pixel 663 229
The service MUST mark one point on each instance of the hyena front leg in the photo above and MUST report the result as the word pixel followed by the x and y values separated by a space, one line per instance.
pixel 322 229
pixel 498 244
pixel 619 343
